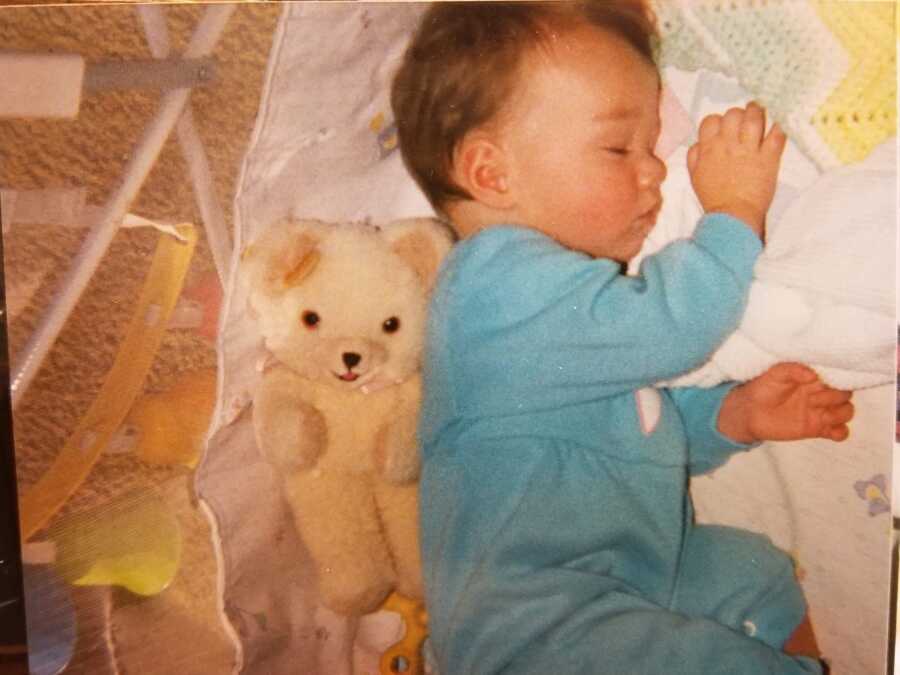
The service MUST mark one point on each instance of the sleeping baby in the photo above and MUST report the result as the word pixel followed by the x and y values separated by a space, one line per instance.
pixel 557 528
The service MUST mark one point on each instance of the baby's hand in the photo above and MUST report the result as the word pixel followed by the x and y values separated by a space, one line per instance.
pixel 734 164
pixel 788 402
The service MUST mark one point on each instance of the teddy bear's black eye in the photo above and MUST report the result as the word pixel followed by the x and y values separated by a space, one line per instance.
pixel 391 325
pixel 310 319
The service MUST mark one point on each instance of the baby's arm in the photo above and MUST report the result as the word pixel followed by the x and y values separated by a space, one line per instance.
pixel 527 310
pixel 734 164
pixel 788 402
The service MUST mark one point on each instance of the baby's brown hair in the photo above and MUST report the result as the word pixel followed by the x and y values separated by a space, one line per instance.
pixel 463 65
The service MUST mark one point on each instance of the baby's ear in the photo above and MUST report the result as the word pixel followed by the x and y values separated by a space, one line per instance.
pixel 480 168
pixel 422 243
pixel 284 255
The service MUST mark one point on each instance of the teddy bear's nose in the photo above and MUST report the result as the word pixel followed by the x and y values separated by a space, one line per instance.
pixel 351 359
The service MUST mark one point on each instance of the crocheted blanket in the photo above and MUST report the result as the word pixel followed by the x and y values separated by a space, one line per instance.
pixel 833 89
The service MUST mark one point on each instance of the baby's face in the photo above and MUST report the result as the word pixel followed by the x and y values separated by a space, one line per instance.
pixel 579 136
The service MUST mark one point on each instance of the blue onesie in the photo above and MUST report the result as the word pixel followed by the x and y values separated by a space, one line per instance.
pixel 557 530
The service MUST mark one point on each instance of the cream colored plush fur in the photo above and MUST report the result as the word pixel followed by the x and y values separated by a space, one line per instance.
pixel 342 308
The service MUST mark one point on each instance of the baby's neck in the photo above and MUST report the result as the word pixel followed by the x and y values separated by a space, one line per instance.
pixel 471 217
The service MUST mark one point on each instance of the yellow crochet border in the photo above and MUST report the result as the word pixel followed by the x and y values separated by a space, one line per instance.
pixel 860 113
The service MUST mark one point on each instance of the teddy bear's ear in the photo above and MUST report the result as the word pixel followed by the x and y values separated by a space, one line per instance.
pixel 422 243
pixel 282 257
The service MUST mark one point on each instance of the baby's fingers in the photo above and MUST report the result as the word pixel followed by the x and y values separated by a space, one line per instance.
pixel 838 433
pixel 774 141
pixel 830 398
pixel 753 124
pixel 834 422
pixel 793 372
pixel 693 152
pixel 840 414
pixel 709 128
pixel 732 122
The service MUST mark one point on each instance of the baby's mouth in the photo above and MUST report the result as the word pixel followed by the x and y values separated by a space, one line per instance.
pixel 648 218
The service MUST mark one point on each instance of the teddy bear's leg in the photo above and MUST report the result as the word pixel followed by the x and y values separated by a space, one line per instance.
pixel 335 516
pixel 399 508
pixel 741 580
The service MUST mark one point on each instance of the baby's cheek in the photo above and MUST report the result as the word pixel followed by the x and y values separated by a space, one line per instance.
pixel 619 191
pixel 610 214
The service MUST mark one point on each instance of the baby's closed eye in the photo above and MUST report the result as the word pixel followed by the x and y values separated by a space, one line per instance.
pixel 626 150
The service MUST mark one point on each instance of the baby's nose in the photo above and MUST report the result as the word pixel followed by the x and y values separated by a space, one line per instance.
pixel 653 172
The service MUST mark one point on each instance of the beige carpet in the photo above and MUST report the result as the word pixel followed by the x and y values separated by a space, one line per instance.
pixel 177 630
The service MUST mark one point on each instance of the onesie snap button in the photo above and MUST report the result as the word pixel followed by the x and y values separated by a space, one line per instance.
pixel 750 628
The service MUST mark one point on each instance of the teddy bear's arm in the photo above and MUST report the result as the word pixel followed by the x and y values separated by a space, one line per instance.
pixel 290 432
pixel 396 446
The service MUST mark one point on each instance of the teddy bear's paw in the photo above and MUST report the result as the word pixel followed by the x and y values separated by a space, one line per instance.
pixel 351 594
pixel 402 475
pixel 290 452
pixel 397 455
pixel 400 472
pixel 411 587
pixel 295 444
pixel 290 461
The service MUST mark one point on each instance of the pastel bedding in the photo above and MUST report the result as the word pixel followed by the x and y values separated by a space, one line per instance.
pixel 324 147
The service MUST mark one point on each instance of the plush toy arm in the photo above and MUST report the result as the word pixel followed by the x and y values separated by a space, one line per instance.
pixel 290 432
pixel 397 453
pixel 397 447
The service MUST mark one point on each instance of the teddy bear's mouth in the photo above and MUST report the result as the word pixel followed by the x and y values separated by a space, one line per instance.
pixel 348 376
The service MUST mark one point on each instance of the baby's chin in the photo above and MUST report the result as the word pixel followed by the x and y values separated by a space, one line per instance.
pixel 629 252
pixel 643 226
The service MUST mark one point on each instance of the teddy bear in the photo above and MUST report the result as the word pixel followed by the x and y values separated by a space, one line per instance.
pixel 342 309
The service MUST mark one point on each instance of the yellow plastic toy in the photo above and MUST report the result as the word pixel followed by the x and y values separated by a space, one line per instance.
pixel 406 655
pixel 133 542
pixel 170 426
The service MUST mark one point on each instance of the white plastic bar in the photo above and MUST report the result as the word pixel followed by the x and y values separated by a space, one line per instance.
pixel 217 232
pixel 142 159
pixel 153 21
pixel 40 85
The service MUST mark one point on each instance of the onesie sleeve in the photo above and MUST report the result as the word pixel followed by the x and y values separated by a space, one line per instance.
pixel 526 311
pixel 699 409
